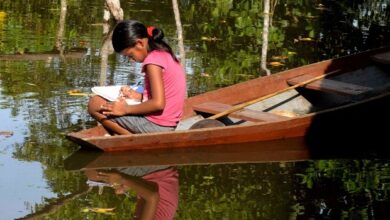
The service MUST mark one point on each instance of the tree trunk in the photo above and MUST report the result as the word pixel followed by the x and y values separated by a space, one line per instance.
pixel 113 7
pixel 265 37
pixel 61 29
pixel 105 51
pixel 179 34
pixel 179 31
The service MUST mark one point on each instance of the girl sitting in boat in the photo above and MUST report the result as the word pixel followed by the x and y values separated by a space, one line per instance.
pixel 162 100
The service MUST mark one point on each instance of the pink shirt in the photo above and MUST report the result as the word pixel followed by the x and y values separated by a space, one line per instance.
pixel 168 190
pixel 174 87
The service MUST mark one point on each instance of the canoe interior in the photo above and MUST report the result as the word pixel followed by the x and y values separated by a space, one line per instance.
pixel 303 101
pixel 367 81
pixel 356 70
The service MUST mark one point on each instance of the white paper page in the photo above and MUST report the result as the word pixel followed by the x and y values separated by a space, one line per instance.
pixel 111 93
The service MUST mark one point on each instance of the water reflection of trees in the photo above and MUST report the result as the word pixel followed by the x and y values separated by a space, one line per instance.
pixel 223 39
pixel 301 32
pixel 349 188
pixel 355 189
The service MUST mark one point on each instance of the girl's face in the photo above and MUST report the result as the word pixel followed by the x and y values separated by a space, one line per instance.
pixel 138 52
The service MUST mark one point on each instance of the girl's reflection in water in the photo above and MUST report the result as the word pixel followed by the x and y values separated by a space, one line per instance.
pixel 157 188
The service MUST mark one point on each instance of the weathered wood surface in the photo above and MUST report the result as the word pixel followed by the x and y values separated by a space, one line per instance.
pixel 329 85
pixel 244 114
pixel 383 58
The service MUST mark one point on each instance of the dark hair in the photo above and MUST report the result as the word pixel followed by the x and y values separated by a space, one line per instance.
pixel 127 32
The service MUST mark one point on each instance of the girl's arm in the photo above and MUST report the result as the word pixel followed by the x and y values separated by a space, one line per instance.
pixel 156 101
pixel 147 204
pixel 147 190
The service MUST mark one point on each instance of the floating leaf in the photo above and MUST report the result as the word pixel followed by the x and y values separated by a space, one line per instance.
pixel 205 74
pixel 105 211
pixel 276 64
pixel 6 133
pixel 31 84
pixel 102 209
pixel 208 177
pixel 80 94
pixel 306 39
pixel 2 15
pixel 291 53
pixel 76 92
pixel 281 57
pixel 210 39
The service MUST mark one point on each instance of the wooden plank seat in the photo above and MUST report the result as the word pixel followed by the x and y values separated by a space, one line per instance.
pixel 329 85
pixel 383 58
pixel 244 114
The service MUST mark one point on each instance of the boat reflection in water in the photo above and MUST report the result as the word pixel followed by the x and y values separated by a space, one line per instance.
pixel 157 188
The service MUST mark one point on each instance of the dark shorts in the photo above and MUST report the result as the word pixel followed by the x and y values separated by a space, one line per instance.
pixel 141 170
pixel 139 124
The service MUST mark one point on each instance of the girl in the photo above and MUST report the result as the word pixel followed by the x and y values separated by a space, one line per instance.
pixel 157 188
pixel 162 100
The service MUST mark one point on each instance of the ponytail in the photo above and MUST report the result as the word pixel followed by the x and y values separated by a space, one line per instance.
pixel 156 42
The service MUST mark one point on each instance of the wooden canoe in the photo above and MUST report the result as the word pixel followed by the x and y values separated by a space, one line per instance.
pixel 356 98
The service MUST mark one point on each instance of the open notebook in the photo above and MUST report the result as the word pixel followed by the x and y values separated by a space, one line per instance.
pixel 112 93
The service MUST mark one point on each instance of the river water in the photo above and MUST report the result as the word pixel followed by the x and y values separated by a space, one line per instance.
pixel 222 40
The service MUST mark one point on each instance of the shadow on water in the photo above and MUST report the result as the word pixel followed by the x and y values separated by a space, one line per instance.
pixel 359 130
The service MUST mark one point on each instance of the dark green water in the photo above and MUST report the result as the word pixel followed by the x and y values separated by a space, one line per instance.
pixel 223 46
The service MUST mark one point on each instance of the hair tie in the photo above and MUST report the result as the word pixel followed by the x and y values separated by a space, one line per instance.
pixel 150 31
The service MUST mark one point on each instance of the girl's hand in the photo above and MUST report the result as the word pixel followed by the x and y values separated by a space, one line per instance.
pixel 110 177
pixel 115 179
pixel 128 92
pixel 117 108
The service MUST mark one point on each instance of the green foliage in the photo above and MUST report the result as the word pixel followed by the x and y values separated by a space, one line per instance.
pixel 243 191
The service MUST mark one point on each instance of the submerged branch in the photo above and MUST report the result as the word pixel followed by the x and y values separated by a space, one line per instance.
pixel 53 207
pixel 74 54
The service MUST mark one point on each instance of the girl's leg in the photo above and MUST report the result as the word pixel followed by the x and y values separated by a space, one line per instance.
pixel 94 109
